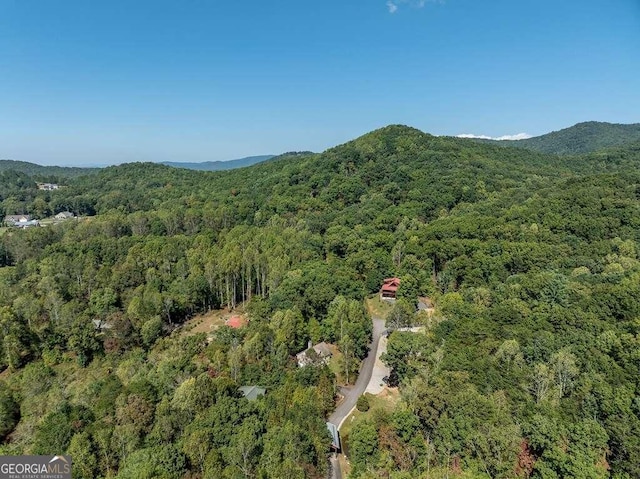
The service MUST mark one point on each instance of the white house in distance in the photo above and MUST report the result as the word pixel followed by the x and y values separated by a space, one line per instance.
pixel 318 354
pixel 63 215
pixel 48 186
pixel 20 221
pixel 13 219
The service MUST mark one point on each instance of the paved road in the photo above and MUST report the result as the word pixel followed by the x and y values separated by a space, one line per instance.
pixel 353 393
pixel 336 472
pixel 380 370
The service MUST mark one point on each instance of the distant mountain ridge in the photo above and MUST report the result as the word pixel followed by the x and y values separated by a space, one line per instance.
pixel 581 138
pixel 33 169
pixel 219 165
pixel 52 173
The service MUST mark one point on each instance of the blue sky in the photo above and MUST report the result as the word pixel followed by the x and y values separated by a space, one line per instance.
pixel 101 82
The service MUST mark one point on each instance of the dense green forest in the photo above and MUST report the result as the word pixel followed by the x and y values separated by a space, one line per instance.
pixel 529 367
pixel 45 173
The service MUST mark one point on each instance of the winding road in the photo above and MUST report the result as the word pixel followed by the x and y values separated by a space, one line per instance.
pixel 364 382
pixel 352 393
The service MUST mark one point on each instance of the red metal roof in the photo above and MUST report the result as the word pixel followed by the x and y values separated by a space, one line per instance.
pixel 391 284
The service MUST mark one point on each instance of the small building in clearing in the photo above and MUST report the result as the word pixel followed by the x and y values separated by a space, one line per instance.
pixel 63 215
pixel 48 186
pixel 15 220
pixel 318 354
pixel 389 289
pixel 101 325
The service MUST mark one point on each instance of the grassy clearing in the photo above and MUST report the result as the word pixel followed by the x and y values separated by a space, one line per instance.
pixel 335 364
pixel 377 307
pixel 208 322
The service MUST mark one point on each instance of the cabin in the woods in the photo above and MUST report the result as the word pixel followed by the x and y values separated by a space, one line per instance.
pixel 318 354
pixel 389 289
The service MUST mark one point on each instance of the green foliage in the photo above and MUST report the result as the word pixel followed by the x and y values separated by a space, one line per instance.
pixel 14 184
pixel 165 462
pixel 83 341
pixel 9 411
pixel 151 331
pixel 362 404
pixel 347 323
pixel 363 446
pixel 408 289
pixel 46 173
pixel 530 355
pixel 83 456
pixel 401 315
pixel 55 431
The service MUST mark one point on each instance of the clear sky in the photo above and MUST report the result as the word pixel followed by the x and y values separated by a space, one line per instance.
pixel 101 82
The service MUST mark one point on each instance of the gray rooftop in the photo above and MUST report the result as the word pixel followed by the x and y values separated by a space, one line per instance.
pixel 322 349
pixel 335 436
pixel 252 392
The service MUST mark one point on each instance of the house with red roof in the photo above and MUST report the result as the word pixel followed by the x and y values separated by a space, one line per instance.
pixel 389 289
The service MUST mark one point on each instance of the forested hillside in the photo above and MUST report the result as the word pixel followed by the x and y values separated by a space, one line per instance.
pixel 44 173
pixel 529 367
pixel 582 138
